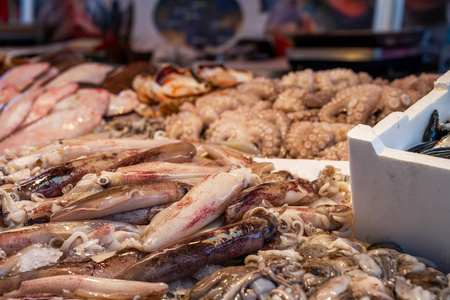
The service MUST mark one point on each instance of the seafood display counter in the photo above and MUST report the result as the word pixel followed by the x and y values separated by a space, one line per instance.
pixel 213 183
pixel 402 196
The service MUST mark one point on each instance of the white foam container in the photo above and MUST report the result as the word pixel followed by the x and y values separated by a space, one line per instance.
pixel 400 196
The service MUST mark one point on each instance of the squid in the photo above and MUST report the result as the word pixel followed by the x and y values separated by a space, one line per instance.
pixel 189 173
pixel 88 287
pixel 213 247
pixel 108 268
pixel 66 150
pixel 120 199
pixel 201 205
pixel 293 192
pixel 51 182
pixel 13 240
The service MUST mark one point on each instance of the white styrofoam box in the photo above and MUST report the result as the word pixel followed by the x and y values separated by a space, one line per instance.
pixel 399 196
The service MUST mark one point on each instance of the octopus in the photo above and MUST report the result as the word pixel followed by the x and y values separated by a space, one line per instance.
pixel 357 103
pixel 321 86
pixel 271 106
pixel 307 139
pixel 263 87
pixel 416 86
pixel 260 132
pixel 339 151
pixel 364 104
pixel 311 115
pixel 184 126
pixel 290 100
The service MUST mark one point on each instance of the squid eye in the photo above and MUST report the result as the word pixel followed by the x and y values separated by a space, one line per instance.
pixel 104 181
pixel 185 188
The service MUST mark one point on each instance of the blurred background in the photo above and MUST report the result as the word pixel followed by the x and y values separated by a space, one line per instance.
pixel 270 37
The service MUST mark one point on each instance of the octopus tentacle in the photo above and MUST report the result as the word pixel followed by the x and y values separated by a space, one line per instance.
pixel 392 99
pixel 357 102
pixel 302 79
pixel 339 151
pixel 184 126
pixel 276 117
pixel 340 131
pixel 267 134
pixel 263 87
pixel 311 115
pixel 307 139
pixel 210 107
pixel 290 100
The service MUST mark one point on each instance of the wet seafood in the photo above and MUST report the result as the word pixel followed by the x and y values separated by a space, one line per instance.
pixel 202 204
pixel 22 76
pixel 435 140
pixel 65 150
pixel 340 269
pixel 170 86
pixel 52 181
pixel 301 260
pixel 416 86
pixel 221 76
pixel 212 247
pixel 108 268
pixel 307 139
pixel 121 79
pixel 92 73
pixel 44 78
pixel 126 101
pixel 16 111
pixel 13 240
pixel 45 102
pixel 72 119
pixel 261 111
pixel 7 92
pixel 87 287
pixel 294 192
pixel 120 199
pixel 190 173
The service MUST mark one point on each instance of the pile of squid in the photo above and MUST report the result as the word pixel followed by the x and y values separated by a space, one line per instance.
pixel 84 218
pixel 304 114
pixel 162 219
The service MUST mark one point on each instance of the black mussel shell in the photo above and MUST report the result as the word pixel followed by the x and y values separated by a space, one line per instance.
pixel 431 130
pixel 422 146
pixel 443 152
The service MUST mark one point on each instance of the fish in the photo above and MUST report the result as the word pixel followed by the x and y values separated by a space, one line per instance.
pixel 90 72
pixel 16 111
pixel 45 102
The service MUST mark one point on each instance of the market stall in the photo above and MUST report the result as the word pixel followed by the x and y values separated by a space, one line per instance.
pixel 162 180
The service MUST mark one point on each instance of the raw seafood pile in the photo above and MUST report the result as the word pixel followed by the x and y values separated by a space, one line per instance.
pixel 87 214
pixel 170 219
pixel 40 104
pixel 305 114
